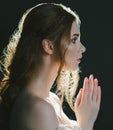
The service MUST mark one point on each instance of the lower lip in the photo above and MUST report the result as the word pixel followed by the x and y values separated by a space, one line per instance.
pixel 79 60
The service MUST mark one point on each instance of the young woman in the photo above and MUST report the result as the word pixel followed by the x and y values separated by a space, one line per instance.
pixel 46 48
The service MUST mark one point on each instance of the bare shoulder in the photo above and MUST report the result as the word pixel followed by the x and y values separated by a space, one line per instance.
pixel 42 116
pixel 41 106
pixel 34 114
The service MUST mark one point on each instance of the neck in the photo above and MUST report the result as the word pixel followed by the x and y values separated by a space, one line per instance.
pixel 42 84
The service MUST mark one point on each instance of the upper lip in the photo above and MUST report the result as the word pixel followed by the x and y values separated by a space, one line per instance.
pixel 79 58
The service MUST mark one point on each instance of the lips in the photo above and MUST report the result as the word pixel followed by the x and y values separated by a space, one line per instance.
pixel 79 59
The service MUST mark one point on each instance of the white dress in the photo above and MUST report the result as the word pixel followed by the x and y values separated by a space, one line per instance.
pixel 54 101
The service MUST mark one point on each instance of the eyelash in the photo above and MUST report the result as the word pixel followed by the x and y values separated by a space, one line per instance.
pixel 74 40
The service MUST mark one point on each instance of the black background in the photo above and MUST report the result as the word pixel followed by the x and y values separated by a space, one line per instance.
pixel 96 35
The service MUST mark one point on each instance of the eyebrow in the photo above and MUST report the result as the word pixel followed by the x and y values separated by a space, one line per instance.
pixel 75 34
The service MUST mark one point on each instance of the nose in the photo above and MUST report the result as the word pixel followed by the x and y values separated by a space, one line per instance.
pixel 83 48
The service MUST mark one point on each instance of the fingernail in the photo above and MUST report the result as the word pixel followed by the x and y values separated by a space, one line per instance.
pixel 91 76
pixel 96 80
pixel 86 79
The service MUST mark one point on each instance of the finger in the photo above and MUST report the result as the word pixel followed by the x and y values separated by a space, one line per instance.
pixel 78 99
pixel 99 95
pixel 91 77
pixel 91 86
pixel 92 82
pixel 85 89
pixel 94 96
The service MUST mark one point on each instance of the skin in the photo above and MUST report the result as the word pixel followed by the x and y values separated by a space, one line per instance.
pixel 88 101
pixel 75 49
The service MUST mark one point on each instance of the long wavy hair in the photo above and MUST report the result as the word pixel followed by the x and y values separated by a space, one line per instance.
pixel 22 56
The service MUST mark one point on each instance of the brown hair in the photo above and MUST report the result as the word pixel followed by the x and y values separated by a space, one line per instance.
pixel 23 55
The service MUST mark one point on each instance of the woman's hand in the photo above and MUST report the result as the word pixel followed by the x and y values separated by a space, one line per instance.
pixel 88 103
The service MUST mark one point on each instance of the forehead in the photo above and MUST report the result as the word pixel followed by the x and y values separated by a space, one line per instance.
pixel 75 28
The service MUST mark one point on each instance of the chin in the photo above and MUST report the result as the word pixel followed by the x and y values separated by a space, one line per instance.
pixel 74 68
pixel 71 67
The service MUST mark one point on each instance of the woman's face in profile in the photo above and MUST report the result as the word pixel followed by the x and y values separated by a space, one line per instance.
pixel 75 49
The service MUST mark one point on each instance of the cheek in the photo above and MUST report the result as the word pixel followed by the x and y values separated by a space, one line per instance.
pixel 72 53
pixel 71 59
